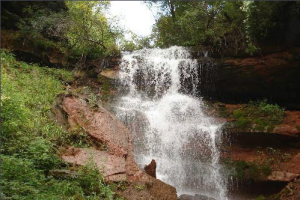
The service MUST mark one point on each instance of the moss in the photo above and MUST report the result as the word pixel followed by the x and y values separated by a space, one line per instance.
pixel 92 100
pixel 258 116
pixel 247 170
pixel 139 187
pixel 272 197
pixel 119 186
pixel 224 112
pixel 238 114
pixel 242 122
pixel 266 170
pixel 107 88
pixel 261 197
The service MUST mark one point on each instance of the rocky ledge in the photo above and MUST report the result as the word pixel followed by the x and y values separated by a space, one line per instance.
pixel 116 160
pixel 260 148
pixel 274 76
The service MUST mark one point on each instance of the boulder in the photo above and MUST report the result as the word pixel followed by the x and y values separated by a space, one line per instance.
pixel 113 167
pixel 151 168
pixel 100 124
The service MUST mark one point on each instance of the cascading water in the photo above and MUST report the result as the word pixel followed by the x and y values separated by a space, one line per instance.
pixel 168 122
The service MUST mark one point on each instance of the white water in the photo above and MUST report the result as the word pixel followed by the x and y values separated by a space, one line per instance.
pixel 169 124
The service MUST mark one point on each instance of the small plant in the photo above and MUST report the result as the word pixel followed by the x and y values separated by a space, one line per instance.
pixel 261 197
pixel 120 186
pixel 139 187
pixel 92 100
pixel 259 116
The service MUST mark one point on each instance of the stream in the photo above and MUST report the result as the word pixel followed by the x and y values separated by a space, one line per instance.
pixel 168 122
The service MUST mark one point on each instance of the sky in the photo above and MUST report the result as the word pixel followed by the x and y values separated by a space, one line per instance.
pixel 134 16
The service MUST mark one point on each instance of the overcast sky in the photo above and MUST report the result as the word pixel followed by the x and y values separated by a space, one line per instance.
pixel 134 16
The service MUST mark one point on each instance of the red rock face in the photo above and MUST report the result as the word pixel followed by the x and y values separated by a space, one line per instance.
pixel 113 167
pixel 117 163
pixel 276 149
pixel 102 125
pixel 290 125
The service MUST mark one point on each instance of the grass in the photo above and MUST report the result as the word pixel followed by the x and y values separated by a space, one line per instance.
pixel 30 140
pixel 259 116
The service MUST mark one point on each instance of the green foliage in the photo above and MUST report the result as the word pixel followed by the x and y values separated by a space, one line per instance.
pixel 135 43
pixel 88 30
pixel 199 23
pixel 261 197
pixel 259 115
pixel 120 186
pixel 107 88
pixel 139 187
pixel 26 97
pixel 268 109
pixel 30 140
pixel 92 100
pixel 246 170
pixel 227 26
pixel 21 180
pixel 81 29
pixel 76 138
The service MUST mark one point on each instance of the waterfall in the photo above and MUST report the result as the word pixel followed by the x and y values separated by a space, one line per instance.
pixel 157 102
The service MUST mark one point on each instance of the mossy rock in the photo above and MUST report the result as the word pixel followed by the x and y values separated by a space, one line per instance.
pixel 107 88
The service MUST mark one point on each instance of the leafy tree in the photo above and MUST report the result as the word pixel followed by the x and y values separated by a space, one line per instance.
pixel 88 30
pixel 226 26
pixel 136 42
pixel 81 29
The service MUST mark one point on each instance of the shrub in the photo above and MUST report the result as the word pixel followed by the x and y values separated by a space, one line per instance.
pixel 258 115
pixel 30 140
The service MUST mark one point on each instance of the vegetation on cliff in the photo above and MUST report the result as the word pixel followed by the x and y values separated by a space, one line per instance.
pixel 258 115
pixel 31 141
pixel 254 116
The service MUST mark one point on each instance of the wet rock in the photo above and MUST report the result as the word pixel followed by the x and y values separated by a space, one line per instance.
pixel 151 168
